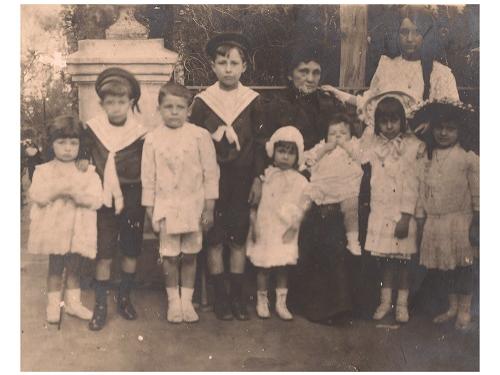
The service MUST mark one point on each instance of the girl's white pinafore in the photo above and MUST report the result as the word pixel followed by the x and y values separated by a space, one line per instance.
pixel 279 208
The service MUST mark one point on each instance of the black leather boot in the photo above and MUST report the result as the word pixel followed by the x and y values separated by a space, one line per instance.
pixel 221 305
pixel 101 306
pixel 124 306
pixel 238 303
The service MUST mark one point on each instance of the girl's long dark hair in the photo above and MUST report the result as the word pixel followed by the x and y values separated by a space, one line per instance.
pixel 430 49
pixel 467 140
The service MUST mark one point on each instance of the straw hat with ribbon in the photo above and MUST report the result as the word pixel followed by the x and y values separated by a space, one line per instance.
pixel 433 111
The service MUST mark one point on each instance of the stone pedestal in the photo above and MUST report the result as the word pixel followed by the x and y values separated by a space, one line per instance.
pixel 151 63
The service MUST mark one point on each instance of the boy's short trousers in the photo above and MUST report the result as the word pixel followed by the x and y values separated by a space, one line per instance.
pixel 122 231
pixel 172 245
pixel 232 211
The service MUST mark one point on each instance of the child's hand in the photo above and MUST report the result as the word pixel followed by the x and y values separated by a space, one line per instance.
pixel 155 225
pixel 342 142
pixel 325 149
pixel 328 89
pixel 344 97
pixel 421 151
pixel 207 216
pixel 255 192
pixel 474 230
pixel 207 220
pixel 402 226
pixel 290 234
pixel 330 145
pixel 82 165
pixel 31 151
pixel 65 189
pixel 118 205
pixel 82 198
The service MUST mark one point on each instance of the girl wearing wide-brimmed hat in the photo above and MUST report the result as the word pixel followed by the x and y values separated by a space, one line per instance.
pixel 392 151
pixel 449 201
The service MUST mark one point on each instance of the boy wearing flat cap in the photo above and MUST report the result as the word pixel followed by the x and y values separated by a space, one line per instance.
pixel 232 113
pixel 113 142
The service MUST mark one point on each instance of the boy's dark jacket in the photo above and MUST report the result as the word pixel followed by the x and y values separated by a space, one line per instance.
pixel 249 126
pixel 127 160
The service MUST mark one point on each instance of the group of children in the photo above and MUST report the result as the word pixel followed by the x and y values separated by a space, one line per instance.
pixel 209 176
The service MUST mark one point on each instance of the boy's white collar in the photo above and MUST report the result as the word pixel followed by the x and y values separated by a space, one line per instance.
pixel 116 141
pixel 214 97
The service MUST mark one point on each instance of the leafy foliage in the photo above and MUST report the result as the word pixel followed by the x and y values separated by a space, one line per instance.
pixel 51 32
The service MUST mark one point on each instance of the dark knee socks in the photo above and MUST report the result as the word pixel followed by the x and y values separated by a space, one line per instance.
pixel 237 287
pixel 219 288
pixel 101 292
pixel 126 285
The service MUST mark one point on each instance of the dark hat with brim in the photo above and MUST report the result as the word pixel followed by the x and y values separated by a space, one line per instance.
pixel 463 115
pixel 119 75
pixel 230 39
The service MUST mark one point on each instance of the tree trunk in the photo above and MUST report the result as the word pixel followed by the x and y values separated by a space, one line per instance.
pixel 354 33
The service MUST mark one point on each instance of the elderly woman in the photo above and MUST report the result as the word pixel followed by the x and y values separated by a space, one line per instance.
pixel 303 105
pixel 319 286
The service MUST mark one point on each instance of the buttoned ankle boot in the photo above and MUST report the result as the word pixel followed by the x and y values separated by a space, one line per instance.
pixel 73 305
pixel 262 307
pixel 385 304
pixel 281 308
pixel 451 312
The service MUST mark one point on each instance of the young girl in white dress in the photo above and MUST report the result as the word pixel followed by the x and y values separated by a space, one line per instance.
pixel 272 243
pixel 392 152
pixel 63 217
pixel 449 202
pixel 409 64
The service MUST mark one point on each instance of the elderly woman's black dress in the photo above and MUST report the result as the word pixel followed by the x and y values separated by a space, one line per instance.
pixel 319 286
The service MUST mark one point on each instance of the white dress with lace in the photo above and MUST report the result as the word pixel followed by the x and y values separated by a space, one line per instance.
pixel 60 226
pixel 394 190
pixel 448 195
pixel 282 205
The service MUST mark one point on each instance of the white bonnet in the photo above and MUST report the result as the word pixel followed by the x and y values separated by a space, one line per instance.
pixel 366 112
pixel 287 134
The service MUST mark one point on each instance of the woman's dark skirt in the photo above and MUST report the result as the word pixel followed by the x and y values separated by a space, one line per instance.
pixel 321 285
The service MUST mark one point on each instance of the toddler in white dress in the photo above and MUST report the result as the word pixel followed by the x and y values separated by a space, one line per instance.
pixel 273 237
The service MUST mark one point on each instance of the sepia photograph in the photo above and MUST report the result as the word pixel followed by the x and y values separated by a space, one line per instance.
pixel 249 187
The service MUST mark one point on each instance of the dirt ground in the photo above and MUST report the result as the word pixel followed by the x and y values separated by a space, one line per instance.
pixel 152 344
